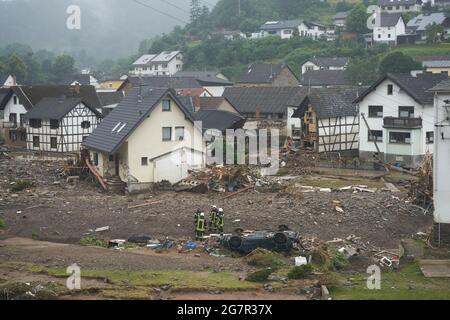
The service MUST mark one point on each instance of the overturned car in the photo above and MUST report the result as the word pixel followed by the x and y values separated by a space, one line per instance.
pixel 284 240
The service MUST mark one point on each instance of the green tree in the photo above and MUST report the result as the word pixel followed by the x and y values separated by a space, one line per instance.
pixel 434 32
pixel 195 11
pixel 63 65
pixel 357 20
pixel 398 62
pixel 14 65
pixel 362 71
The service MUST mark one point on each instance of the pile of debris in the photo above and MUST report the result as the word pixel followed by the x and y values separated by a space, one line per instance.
pixel 222 179
pixel 421 191
pixel 297 162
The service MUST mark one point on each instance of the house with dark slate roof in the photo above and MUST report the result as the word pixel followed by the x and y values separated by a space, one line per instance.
pixel 324 79
pixel 16 101
pixel 149 137
pixel 397 118
pixel 388 27
pixel 60 124
pixel 268 75
pixel 329 120
pixel 272 106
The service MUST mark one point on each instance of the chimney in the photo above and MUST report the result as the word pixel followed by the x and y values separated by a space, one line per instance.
pixel 77 88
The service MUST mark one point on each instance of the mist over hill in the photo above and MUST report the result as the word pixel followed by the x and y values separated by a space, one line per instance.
pixel 109 28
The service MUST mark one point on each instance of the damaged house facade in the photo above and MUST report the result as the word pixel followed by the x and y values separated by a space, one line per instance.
pixel 149 137
pixel 329 120
pixel 60 124
pixel 399 113
pixel 267 106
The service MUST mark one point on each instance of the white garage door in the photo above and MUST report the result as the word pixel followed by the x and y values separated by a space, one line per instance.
pixel 169 168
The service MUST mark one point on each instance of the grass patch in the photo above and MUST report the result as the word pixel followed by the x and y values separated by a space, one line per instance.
pixel 21 185
pixel 93 242
pixel 406 284
pixel 300 272
pixel 424 49
pixel 260 275
pixel 2 224
pixel 177 279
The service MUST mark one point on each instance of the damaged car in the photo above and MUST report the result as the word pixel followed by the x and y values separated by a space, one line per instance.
pixel 283 240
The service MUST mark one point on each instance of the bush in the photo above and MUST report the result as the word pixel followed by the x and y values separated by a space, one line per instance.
pixel 21 185
pixel 300 272
pixel 260 276
pixel 339 261
pixel 264 259
pixel 92 241
pixel 2 224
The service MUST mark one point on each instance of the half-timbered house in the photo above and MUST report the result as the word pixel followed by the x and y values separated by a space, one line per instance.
pixel 329 120
pixel 60 124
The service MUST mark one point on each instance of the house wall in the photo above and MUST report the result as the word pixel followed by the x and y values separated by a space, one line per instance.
pixel 441 162
pixel 215 91
pixel 146 141
pixel 389 34
pixel 338 134
pixel 10 107
pixel 159 69
pixel 401 8
pixel 286 79
pixel 438 70
pixel 10 81
pixel 309 66
pixel 292 123
pixel 391 105
pixel 69 135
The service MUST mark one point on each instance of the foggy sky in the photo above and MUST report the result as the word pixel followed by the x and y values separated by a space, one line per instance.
pixel 109 28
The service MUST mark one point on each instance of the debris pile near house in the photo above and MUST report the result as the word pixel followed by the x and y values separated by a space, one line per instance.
pixel 297 162
pixel 222 179
pixel 421 191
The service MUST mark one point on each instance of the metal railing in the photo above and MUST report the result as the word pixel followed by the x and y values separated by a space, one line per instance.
pixel 407 123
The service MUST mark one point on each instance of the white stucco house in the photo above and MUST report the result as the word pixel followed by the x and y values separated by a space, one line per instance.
pixel 325 63
pixel 285 29
pixel 388 27
pixel 149 137
pixel 166 63
pixel 400 6
pixel 400 118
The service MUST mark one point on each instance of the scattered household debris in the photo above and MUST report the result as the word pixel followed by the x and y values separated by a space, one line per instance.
pixel 102 229
pixel 421 190
pixel 222 179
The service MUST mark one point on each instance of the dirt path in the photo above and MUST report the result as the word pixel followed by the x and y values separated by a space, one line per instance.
pixel 64 255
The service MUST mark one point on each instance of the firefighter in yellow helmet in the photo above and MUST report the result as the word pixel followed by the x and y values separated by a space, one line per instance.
pixel 220 220
pixel 212 218
pixel 200 227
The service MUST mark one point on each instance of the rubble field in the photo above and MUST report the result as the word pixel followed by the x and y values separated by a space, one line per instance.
pixel 48 208
pixel 345 219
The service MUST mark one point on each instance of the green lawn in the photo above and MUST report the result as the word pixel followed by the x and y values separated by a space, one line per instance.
pixel 424 49
pixel 406 284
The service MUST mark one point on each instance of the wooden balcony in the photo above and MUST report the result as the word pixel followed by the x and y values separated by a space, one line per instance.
pixel 403 123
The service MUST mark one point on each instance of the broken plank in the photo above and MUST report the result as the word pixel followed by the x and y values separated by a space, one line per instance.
pixel 238 192
pixel 144 204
